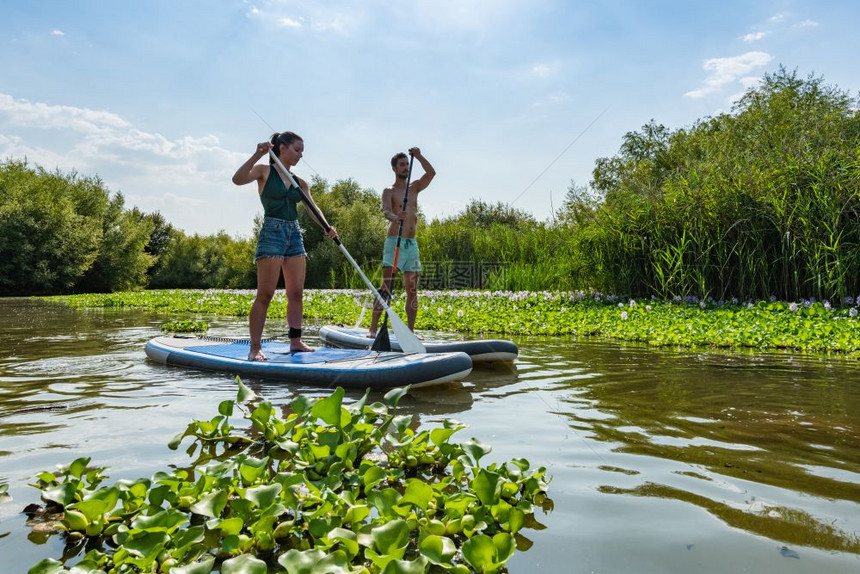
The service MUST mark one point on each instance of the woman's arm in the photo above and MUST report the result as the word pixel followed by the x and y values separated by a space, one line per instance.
pixel 250 171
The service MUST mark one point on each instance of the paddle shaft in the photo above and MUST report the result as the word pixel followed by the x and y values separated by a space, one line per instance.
pixel 405 335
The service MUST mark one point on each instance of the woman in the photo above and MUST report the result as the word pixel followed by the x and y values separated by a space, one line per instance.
pixel 279 246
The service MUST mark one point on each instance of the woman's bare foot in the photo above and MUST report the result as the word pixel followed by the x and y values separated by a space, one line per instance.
pixel 371 335
pixel 297 346
pixel 257 355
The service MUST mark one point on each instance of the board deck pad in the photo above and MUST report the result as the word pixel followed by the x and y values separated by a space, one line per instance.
pixel 280 353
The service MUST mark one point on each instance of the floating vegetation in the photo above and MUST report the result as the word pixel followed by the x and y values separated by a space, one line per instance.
pixel 329 488
pixel 807 325
pixel 185 326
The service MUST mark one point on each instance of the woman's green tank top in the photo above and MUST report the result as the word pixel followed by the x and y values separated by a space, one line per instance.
pixel 277 200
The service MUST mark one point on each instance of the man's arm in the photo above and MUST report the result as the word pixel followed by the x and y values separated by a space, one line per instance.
pixel 429 173
pixel 387 208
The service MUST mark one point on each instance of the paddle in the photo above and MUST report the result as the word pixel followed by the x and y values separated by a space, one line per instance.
pixel 382 342
pixel 408 341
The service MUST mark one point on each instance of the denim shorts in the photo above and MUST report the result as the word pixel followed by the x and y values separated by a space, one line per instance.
pixel 408 257
pixel 279 238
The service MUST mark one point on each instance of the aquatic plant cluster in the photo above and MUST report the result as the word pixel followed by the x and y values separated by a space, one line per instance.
pixel 332 487
pixel 806 325
pixel 184 326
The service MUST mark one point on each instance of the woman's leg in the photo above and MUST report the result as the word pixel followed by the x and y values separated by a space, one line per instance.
pixel 294 280
pixel 268 271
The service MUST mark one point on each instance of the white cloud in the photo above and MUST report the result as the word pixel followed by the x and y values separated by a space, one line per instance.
pixel 754 36
pixel 339 24
pixel 140 164
pixel 541 70
pixel 750 81
pixel 725 71
pixel 57 33
pixel 552 99
pixel 30 114
pixel 808 24
pixel 289 23
pixel 778 17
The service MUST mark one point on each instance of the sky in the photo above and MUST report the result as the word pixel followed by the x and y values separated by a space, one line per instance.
pixel 511 101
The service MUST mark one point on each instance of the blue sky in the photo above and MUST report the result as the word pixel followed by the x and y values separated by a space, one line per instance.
pixel 160 98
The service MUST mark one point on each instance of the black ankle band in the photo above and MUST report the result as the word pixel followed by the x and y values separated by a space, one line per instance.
pixel 295 333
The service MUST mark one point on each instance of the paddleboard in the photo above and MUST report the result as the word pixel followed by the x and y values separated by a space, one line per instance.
pixel 480 350
pixel 348 368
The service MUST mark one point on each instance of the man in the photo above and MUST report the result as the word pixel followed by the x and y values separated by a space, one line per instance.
pixel 408 257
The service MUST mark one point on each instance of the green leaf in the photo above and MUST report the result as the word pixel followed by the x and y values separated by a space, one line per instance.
pixel 440 436
pixel 505 546
pixel 184 538
pixel 487 487
pixel 406 566
pixel 391 538
pixel 244 564
pixel 93 509
pixel 264 496
pixel 393 396
pixel 177 439
pixel 63 494
pixel 516 520
pixel 385 501
pixel 245 394
pixel 372 476
pixel 228 526
pixel 211 505
pixel 262 414
pixel 475 449
pixel 166 520
pixel 76 521
pixel 347 538
pixel 480 552
pixel 48 566
pixel 418 493
pixel 225 408
pixel 202 567
pixel 438 549
pixel 329 408
pixel 300 562
pixel 146 544
pixel 79 466
pixel 301 405
pixel 252 468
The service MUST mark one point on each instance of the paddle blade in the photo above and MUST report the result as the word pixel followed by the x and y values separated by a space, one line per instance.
pixel 382 342
pixel 407 339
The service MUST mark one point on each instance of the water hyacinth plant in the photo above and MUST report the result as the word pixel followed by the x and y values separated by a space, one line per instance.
pixel 806 325
pixel 184 326
pixel 329 488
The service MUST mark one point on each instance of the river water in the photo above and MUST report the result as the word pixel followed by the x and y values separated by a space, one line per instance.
pixel 662 461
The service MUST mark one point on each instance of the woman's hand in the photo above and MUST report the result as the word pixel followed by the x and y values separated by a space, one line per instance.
pixel 331 233
pixel 263 148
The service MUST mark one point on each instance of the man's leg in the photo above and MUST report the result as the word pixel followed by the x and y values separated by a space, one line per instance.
pixel 410 284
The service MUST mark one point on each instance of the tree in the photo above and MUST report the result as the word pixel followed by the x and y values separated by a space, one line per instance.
pixel 122 261
pixel 50 229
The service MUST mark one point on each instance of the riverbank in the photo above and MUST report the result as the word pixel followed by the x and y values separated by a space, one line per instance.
pixel 805 326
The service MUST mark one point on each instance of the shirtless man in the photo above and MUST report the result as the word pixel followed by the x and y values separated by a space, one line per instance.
pixel 408 257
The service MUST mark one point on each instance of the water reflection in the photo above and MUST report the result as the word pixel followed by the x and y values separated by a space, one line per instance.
pixel 780 426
